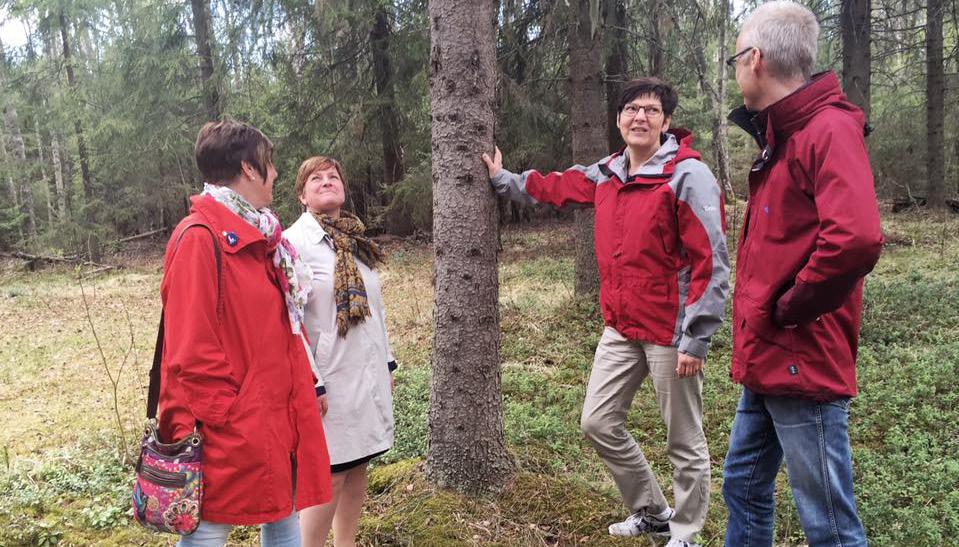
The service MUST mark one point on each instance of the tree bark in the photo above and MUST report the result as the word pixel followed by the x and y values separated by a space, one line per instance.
pixel 657 57
pixel 855 20
pixel 43 173
pixel 204 50
pixel 11 186
pixel 720 126
pixel 588 128
pixel 467 447
pixel 935 108
pixel 62 212
pixel 617 68
pixel 77 124
pixel 17 148
pixel 387 115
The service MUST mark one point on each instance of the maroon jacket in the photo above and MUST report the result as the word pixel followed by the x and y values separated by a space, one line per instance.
pixel 810 235
pixel 660 239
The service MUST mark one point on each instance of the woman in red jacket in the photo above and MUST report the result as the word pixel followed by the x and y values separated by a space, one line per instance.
pixel 234 360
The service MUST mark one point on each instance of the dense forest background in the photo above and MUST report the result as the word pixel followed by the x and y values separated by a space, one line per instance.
pixel 102 103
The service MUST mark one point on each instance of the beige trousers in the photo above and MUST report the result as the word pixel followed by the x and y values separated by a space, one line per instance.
pixel 619 368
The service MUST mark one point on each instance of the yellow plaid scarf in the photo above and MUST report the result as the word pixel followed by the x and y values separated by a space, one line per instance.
pixel 348 289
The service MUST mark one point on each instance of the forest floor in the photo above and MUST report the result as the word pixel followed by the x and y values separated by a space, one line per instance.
pixel 63 479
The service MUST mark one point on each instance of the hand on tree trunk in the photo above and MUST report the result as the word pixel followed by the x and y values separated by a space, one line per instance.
pixel 494 164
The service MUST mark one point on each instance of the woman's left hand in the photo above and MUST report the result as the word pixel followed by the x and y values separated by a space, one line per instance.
pixel 323 404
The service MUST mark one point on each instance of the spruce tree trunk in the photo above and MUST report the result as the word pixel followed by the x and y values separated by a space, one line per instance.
pixel 935 109
pixel 204 50
pixel 77 124
pixel 657 57
pixel 855 21
pixel 43 174
pixel 617 68
pixel 467 447
pixel 387 115
pixel 11 185
pixel 62 211
pixel 720 126
pixel 17 148
pixel 588 128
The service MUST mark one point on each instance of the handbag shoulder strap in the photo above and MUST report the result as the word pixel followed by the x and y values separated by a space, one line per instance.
pixel 153 397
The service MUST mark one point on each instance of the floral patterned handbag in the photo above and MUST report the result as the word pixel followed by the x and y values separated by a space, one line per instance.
pixel 168 491
pixel 169 484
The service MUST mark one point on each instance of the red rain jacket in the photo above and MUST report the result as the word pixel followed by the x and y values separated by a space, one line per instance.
pixel 810 235
pixel 233 363
pixel 660 239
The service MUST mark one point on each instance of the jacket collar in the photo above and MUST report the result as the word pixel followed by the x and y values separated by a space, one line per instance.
pixel 676 146
pixel 314 230
pixel 781 119
pixel 233 232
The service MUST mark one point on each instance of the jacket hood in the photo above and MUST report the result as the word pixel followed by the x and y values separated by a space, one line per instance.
pixel 791 113
pixel 677 146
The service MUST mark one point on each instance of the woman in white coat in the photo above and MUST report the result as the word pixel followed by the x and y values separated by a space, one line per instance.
pixel 352 360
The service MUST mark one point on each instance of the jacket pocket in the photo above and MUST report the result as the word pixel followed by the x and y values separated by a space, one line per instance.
pixel 764 356
pixel 650 307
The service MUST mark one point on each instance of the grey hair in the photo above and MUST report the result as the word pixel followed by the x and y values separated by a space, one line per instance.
pixel 787 35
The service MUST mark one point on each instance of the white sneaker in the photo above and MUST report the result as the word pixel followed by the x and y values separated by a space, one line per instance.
pixel 640 523
pixel 675 542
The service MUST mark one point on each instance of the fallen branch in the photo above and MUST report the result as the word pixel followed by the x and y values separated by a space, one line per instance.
pixel 142 236
pixel 39 258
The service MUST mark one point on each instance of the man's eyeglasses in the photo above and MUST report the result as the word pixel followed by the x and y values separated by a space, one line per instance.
pixel 731 62
pixel 632 110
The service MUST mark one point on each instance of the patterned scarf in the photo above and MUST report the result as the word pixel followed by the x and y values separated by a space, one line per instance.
pixel 349 291
pixel 295 275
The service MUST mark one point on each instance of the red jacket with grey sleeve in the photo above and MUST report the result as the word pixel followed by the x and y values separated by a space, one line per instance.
pixel 660 240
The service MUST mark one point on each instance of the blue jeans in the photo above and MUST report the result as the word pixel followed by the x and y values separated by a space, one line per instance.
pixel 814 439
pixel 282 533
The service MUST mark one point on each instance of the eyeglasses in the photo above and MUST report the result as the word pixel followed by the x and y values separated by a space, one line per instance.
pixel 731 62
pixel 633 110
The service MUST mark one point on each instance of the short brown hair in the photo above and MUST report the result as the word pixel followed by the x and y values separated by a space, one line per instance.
pixel 650 85
pixel 312 165
pixel 222 147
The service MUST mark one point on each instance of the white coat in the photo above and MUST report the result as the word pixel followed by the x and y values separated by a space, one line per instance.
pixel 353 369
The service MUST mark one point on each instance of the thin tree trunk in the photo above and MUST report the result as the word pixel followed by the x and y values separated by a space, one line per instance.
pixel 204 50
pixel 387 115
pixel 77 124
pixel 657 57
pixel 720 127
pixel 616 69
pixel 11 185
pixel 935 109
pixel 12 123
pixel 62 212
pixel 588 128
pixel 43 174
pixel 467 446
pixel 855 21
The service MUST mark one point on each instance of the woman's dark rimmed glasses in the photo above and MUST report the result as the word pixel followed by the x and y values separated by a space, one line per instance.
pixel 731 62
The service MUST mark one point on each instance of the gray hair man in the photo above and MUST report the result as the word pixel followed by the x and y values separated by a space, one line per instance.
pixel 796 318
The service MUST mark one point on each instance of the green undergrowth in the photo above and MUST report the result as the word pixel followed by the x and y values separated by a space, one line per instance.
pixel 61 481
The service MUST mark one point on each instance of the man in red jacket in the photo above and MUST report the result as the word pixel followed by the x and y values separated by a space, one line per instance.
pixel 810 235
pixel 664 272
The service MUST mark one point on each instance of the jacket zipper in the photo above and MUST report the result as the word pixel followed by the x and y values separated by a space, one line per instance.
pixel 161 477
